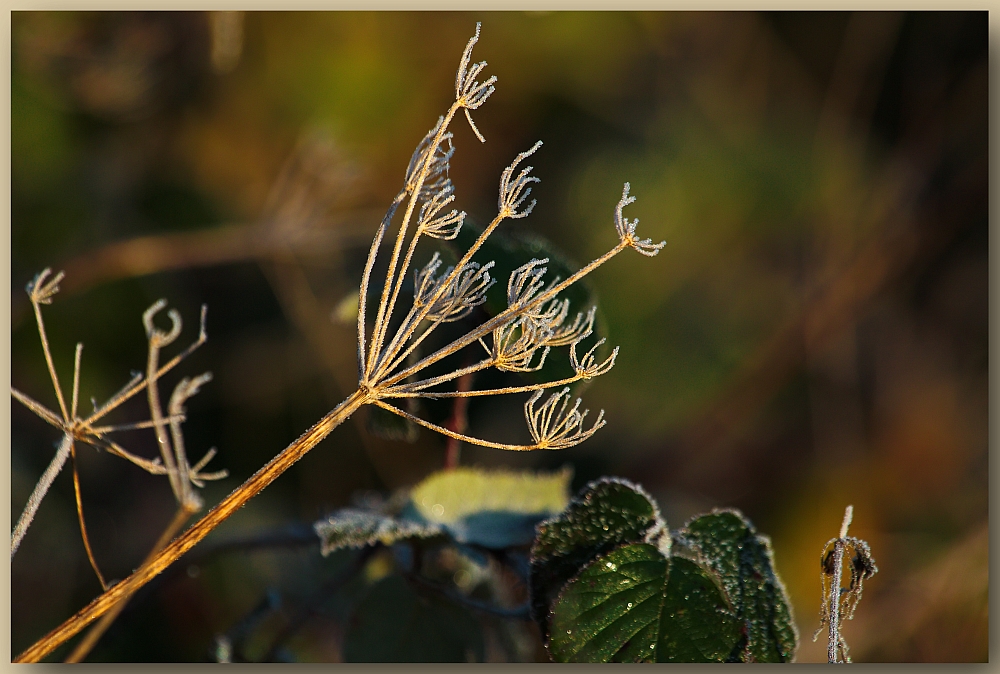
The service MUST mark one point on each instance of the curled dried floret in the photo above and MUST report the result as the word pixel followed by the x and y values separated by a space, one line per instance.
pixel 525 282
pixel 185 389
pixel 554 425
pixel 514 191
pixel 515 345
pixel 469 93
pixel 158 338
pixel 587 367
pixel 466 290
pixel 437 225
pixel 626 229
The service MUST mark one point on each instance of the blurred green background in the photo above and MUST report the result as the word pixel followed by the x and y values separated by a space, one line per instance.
pixel 813 335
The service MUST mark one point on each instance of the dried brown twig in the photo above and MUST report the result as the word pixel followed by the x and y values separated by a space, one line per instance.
pixel 517 339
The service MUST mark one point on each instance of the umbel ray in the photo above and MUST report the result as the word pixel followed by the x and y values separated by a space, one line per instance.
pixel 517 339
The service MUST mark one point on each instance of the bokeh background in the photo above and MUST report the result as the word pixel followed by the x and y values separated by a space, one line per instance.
pixel 813 335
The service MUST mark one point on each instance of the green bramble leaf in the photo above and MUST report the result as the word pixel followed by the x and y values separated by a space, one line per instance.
pixel 491 508
pixel 742 560
pixel 606 514
pixel 396 623
pixel 610 583
pixel 637 605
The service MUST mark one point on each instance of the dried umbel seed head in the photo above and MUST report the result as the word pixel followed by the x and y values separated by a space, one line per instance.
pixel 588 367
pixel 536 320
pixel 581 327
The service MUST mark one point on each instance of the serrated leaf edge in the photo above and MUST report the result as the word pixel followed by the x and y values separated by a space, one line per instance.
pixel 687 549
pixel 658 522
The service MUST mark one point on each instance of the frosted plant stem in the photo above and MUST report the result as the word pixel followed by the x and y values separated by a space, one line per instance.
pixel 35 500
pixel 834 641
pixel 229 505
pixel 48 360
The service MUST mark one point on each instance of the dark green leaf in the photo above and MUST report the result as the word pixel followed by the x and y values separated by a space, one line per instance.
pixel 635 604
pixel 728 544
pixel 356 528
pixel 395 623
pixel 606 514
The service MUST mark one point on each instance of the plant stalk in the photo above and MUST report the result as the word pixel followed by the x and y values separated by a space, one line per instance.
pixel 253 486
pixel 42 488
pixel 834 638
pixel 833 642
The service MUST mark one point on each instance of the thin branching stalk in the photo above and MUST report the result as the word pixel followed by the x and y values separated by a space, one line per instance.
pixel 173 461
pixel 183 476
pixel 458 422
pixel 521 336
pixel 840 603
pixel 83 523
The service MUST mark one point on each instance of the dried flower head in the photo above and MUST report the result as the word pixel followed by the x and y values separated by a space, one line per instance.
pixel 390 358
pixel 626 229
pixel 519 338
pixel 552 426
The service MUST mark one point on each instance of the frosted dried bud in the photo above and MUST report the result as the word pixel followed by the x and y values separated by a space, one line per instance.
pixel 469 93
pixel 515 345
pixel 441 226
pixel 514 191
pixel 588 367
pixel 41 292
pixel 438 163
pixel 466 291
pixel 525 282
pixel 553 426
pixel 626 229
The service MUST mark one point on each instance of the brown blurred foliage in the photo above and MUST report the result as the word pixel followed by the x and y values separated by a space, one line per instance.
pixel 814 334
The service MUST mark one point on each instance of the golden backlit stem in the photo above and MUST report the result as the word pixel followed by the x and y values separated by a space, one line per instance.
pixel 386 305
pixel 253 486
